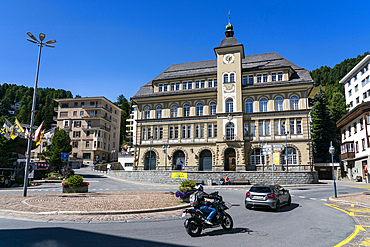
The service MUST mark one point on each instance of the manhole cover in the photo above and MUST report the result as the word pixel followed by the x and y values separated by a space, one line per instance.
pixel 258 233
pixel 302 189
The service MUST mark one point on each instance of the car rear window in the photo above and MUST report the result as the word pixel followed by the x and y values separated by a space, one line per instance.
pixel 260 189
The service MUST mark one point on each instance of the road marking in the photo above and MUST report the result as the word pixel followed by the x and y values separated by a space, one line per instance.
pixel 324 200
pixel 313 199
pixel 358 228
pixel 302 196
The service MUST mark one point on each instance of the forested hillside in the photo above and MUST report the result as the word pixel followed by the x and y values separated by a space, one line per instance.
pixel 331 106
pixel 11 94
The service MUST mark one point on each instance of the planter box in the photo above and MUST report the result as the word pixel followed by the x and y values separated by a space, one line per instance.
pixel 83 189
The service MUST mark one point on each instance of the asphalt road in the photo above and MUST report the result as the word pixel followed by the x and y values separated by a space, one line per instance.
pixel 307 222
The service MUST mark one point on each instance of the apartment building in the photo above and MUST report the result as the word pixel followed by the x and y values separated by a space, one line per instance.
pixel 222 114
pixel 93 124
pixel 355 125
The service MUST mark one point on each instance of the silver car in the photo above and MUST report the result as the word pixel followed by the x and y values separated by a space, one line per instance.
pixel 269 196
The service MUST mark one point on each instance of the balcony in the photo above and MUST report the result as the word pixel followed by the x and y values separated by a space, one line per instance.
pixel 95 127
pixel 347 150
pixel 98 116
pixel 88 107
pixel 230 138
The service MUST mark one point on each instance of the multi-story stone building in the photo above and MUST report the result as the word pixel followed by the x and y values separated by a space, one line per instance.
pixel 217 115
pixel 93 124
pixel 355 125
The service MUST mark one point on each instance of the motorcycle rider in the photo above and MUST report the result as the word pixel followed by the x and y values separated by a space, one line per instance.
pixel 203 205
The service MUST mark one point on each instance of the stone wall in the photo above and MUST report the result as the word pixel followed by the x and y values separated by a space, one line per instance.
pixel 252 176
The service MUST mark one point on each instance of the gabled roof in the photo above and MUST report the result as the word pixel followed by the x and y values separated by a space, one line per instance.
pixel 183 71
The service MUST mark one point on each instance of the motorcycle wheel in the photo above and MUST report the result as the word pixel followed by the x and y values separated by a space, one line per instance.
pixel 193 228
pixel 227 223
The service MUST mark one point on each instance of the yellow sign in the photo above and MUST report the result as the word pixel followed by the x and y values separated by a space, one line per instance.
pixel 179 175
pixel 276 158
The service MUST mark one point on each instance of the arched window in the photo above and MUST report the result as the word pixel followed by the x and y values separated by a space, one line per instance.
pixel 230 131
pixel 212 108
pixel 294 103
pixel 147 112
pixel 278 103
pixel 263 105
pixel 158 112
pixel 257 157
pixel 199 109
pixel 248 106
pixel 226 78
pixel 186 111
pixel 292 157
pixel 232 77
pixel 229 105
pixel 174 111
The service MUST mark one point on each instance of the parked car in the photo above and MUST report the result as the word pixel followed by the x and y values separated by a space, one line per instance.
pixel 268 196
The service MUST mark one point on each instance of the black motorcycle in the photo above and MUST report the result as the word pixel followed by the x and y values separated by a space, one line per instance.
pixel 195 224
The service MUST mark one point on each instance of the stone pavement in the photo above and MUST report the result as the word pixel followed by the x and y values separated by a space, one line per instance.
pixel 93 206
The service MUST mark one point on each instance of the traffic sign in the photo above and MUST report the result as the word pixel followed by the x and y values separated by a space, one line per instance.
pixel 64 156
pixel 267 146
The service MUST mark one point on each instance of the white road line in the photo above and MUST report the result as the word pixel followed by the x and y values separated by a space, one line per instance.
pixel 324 200
pixel 291 195
pixel 302 196
pixel 313 199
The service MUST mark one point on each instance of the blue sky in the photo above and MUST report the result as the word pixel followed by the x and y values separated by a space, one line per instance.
pixel 108 48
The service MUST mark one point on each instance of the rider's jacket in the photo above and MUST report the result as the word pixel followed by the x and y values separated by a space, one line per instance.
pixel 201 196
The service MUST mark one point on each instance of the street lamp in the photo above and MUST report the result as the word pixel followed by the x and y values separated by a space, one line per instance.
pixel 165 146
pixel 150 152
pixel 29 142
pixel 113 153
pixel 331 151
pixel 286 149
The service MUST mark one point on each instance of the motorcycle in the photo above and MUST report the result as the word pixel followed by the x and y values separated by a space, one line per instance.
pixel 196 223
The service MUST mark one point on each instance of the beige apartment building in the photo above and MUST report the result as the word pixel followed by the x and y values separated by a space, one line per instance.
pixel 223 114
pixel 93 124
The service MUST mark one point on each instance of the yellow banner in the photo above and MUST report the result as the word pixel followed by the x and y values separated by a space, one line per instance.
pixel 276 158
pixel 180 175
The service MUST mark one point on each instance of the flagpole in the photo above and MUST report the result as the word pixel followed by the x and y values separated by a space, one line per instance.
pixel 29 142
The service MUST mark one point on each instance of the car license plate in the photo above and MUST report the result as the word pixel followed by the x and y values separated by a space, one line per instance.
pixel 183 214
pixel 258 197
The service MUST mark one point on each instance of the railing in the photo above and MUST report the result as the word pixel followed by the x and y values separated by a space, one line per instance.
pixel 230 137
pixel 97 116
pixel 101 127
pixel 347 150
pixel 96 106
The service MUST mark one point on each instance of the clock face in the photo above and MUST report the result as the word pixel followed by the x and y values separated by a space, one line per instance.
pixel 228 58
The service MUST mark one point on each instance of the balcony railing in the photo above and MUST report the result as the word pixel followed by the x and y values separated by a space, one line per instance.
pixel 230 137
pixel 97 116
pixel 94 127
pixel 347 150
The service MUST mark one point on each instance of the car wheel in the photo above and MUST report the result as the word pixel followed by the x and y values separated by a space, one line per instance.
pixel 248 206
pixel 277 207
pixel 289 201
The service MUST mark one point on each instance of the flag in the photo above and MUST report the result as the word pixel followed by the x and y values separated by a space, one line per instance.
pixel 228 13
pixel 6 129
pixel 17 129
pixel 38 132
pixel 26 134
pixel 49 136
pixel 41 135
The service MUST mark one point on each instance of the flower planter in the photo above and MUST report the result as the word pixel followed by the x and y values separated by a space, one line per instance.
pixel 82 189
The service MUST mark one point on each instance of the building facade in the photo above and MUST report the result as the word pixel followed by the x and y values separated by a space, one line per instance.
pixel 93 124
pixel 355 125
pixel 222 115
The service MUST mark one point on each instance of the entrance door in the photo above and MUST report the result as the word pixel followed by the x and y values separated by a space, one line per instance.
pixel 205 161
pixel 178 160
pixel 150 161
pixel 230 160
pixel 364 169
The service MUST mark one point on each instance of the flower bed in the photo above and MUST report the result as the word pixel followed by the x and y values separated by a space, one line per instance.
pixel 186 188
pixel 75 184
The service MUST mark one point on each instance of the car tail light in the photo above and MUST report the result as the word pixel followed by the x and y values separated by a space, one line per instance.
pixel 272 195
pixel 248 194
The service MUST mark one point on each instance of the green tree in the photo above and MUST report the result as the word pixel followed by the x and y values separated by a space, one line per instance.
pixel 322 127
pixel 61 144
pixel 126 111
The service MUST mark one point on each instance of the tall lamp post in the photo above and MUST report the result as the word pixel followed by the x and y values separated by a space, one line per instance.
pixel 165 146
pixel 286 149
pixel 29 142
pixel 331 151
pixel 150 152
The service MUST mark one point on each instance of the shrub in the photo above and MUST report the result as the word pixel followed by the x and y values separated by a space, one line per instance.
pixel 75 181
pixel 186 188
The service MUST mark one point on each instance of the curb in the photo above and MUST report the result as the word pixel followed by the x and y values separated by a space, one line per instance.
pixel 333 199
pixel 153 210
